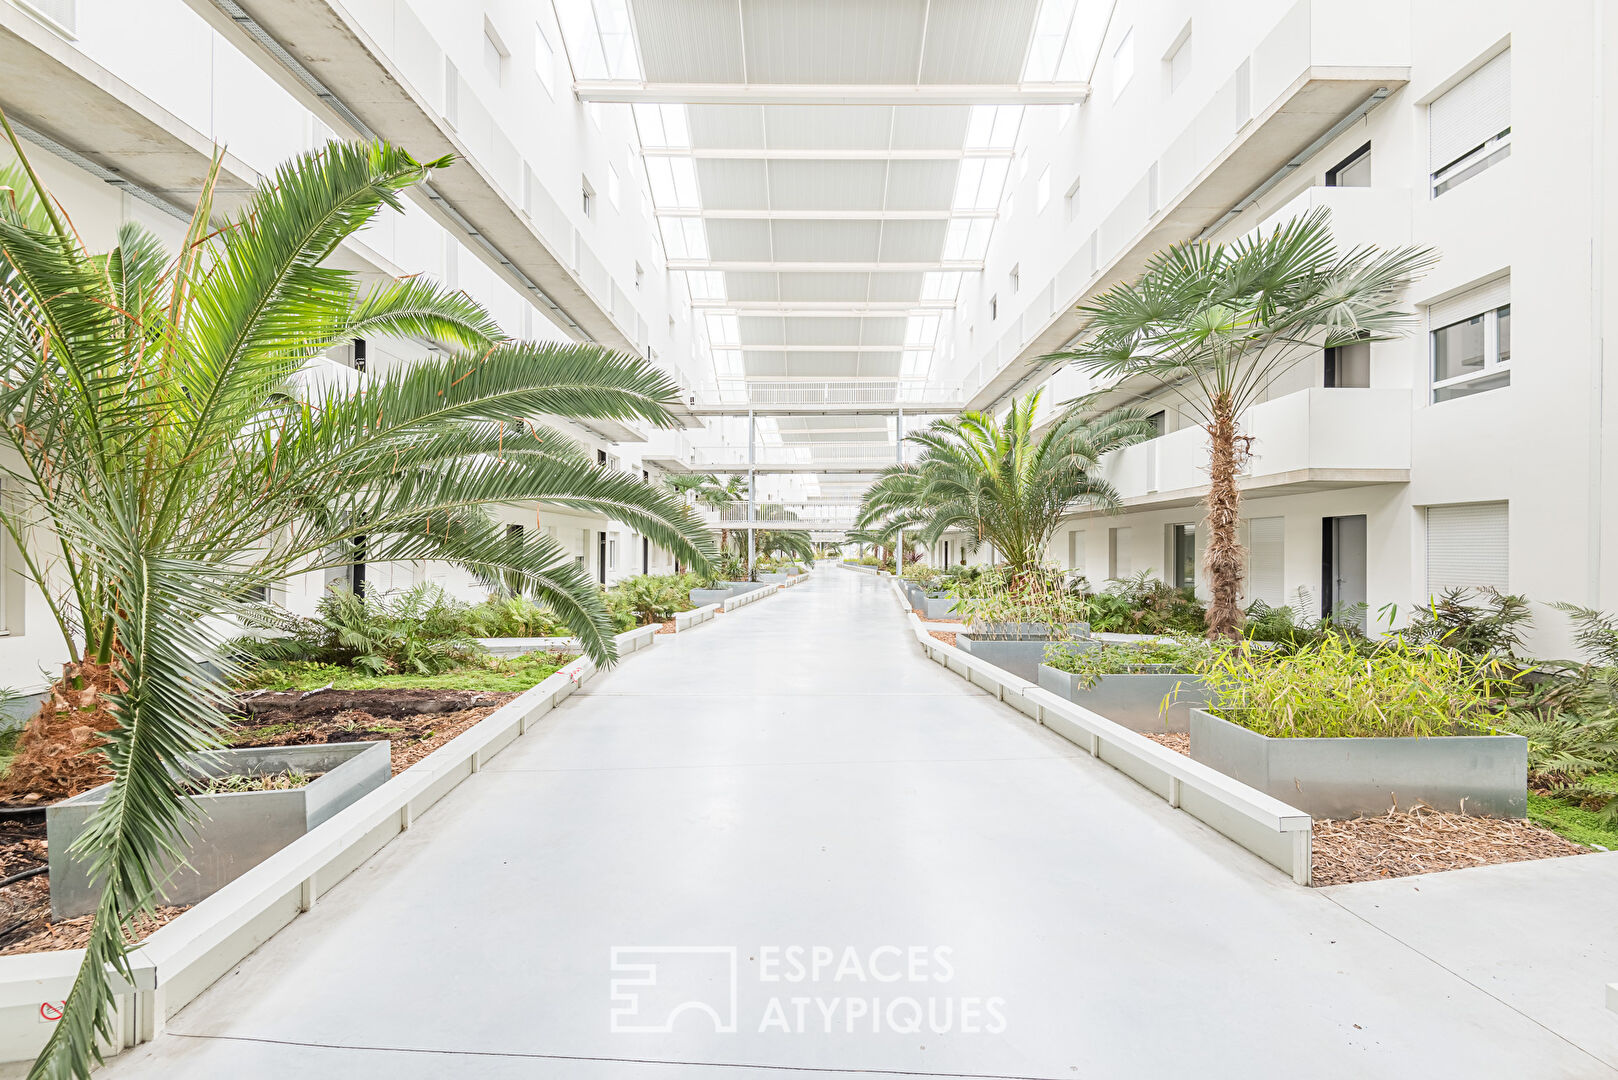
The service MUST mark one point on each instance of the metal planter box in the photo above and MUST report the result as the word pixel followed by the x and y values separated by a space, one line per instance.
pixel 774 579
pixel 232 833
pixel 1133 699
pixel 1345 778
pixel 704 597
pixel 1021 657
pixel 940 607
pixel 1024 631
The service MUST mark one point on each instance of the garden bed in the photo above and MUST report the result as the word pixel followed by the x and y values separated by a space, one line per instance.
pixel 946 636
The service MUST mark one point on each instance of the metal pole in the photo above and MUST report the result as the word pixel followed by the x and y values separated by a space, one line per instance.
pixel 752 487
pixel 899 458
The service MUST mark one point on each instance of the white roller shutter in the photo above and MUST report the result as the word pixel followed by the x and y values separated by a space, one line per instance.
pixel 1122 565
pixel 1470 114
pixel 1265 560
pixel 1486 297
pixel 1466 546
pixel 1075 550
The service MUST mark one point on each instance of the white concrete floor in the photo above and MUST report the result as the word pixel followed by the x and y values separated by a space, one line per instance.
pixel 797 774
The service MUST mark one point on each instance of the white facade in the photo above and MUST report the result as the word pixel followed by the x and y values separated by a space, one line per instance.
pixel 827 244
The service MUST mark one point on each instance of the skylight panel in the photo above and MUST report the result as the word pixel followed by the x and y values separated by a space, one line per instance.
pixel 914 363
pixel 727 363
pixel 921 331
pixel 1050 35
pixel 706 285
pixel 940 285
pixel 674 183
pixel 992 127
pixel 684 238
pixel 979 183
pixel 724 330
pixel 662 126
pixel 967 239
pixel 600 38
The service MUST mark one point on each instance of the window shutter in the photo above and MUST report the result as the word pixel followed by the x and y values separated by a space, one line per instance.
pixel 1466 546
pixel 1075 550
pixel 1264 560
pixel 1485 297
pixel 1470 114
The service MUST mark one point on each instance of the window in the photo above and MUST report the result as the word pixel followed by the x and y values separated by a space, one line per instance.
pixel 1073 201
pixel 1349 365
pixel 495 54
pixel 1177 61
pixel 640 276
pixel 994 307
pixel 612 553
pixel 1075 550
pixel 1469 127
pixel 1160 421
pixel 1263 541
pixel 1016 277
pixel 1042 197
pixel 1118 562
pixel 452 92
pixel 612 186
pixel 1467 547
pixel 545 62
pixel 1123 63
pixel 1471 342
pixel 1352 171
pixel 587 198
pixel 601 458
pixel 1183 555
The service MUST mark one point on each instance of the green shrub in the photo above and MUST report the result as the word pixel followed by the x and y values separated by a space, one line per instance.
pixel 995 595
pixel 1331 689
pixel 513 616
pixel 1131 657
pixel 649 598
pixel 1143 604
pixel 922 574
pixel 420 631
pixel 1290 626
pixel 1482 622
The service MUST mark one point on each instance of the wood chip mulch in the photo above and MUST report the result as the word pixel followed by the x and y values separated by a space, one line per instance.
pixel 74 933
pixel 922 615
pixel 666 628
pixel 1422 841
pixel 946 636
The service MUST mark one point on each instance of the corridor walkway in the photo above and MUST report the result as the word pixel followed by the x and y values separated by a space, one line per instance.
pixel 795 784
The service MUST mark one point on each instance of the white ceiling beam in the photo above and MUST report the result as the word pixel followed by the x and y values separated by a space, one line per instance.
pixel 829 309
pixel 767 267
pixel 819 154
pixel 827 215
pixel 623 91
pixel 829 348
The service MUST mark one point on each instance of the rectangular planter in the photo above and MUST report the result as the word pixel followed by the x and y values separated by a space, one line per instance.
pixel 1024 631
pixel 774 579
pixel 940 607
pixel 705 597
pixel 1134 699
pixel 233 833
pixel 1345 778
pixel 1021 657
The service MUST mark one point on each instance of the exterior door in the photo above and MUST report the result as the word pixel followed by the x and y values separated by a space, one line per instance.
pixel 1343 564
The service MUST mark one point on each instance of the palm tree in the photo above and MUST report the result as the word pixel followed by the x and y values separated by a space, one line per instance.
pixel 997 482
pixel 1216 324
pixel 717 496
pixel 687 486
pixel 168 457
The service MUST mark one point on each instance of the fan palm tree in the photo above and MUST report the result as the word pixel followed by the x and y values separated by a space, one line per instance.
pixel 168 456
pixel 997 482
pixel 1216 324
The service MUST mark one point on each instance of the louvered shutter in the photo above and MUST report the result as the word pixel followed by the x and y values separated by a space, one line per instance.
pixel 1265 560
pixel 1466 546
pixel 1470 114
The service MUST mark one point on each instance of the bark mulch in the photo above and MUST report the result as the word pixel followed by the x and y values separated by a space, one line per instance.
pixel 1422 841
pixel 666 628
pixel 922 615
pixel 74 933
pixel 415 722
pixel 946 636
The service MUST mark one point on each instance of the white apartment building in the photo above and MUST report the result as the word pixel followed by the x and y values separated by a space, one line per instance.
pixel 829 245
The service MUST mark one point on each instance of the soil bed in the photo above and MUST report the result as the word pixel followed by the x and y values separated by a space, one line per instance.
pixel 1420 841
pixel 415 722
pixel 666 628
pixel 922 615
pixel 946 636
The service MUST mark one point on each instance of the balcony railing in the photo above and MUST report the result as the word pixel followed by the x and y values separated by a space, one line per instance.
pixel 1313 437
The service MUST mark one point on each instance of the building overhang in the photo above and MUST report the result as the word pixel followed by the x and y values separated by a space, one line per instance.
pixel 1295 482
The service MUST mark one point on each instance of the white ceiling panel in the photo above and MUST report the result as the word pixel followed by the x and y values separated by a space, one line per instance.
pixel 938 127
pixel 822 331
pixel 921 185
pixel 833 41
pixel 841 286
pixel 689 40
pixel 977 41
pixel 727 127
pixel 829 241
pixel 912 241
pixel 896 286
pixel 741 241
pixel 827 185
pixel 828 127
pixel 733 185
pixel 752 285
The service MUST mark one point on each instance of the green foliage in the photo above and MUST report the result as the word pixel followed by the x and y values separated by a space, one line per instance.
pixel 922 574
pixel 479 672
pixel 1595 632
pixel 999 595
pixel 649 598
pixel 513 616
pixel 1572 816
pixel 1291 626
pixel 285 780
pixel 1131 657
pixel 1331 689
pixel 998 483
pixel 1480 622
pixel 1143 604
pixel 420 631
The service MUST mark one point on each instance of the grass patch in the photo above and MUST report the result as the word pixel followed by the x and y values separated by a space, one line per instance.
pixel 1565 817
pixel 498 674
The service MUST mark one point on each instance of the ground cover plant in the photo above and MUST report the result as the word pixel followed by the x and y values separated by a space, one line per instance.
pixel 1131 657
pixel 649 599
pixel 478 672
pixel 1143 604
pixel 1001 596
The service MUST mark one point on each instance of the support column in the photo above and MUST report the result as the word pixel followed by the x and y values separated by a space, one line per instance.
pixel 752 489
pixel 899 458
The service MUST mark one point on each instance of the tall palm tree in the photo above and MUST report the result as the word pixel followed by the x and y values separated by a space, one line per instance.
pixel 167 457
pixel 1216 324
pixel 717 496
pixel 997 482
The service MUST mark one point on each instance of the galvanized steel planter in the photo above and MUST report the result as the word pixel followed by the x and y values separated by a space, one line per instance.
pixel 1133 699
pixel 1344 778
pixel 774 579
pixel 1021 657
pixel 1024 631
pixel 233 832
pixel 940 607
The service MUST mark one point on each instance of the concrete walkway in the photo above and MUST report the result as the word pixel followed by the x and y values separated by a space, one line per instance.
pixel 796 785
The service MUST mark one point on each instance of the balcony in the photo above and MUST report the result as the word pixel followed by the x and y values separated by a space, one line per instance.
pixel 1312 440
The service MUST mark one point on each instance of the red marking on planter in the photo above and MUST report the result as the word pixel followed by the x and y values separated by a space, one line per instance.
pixel 51 1010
